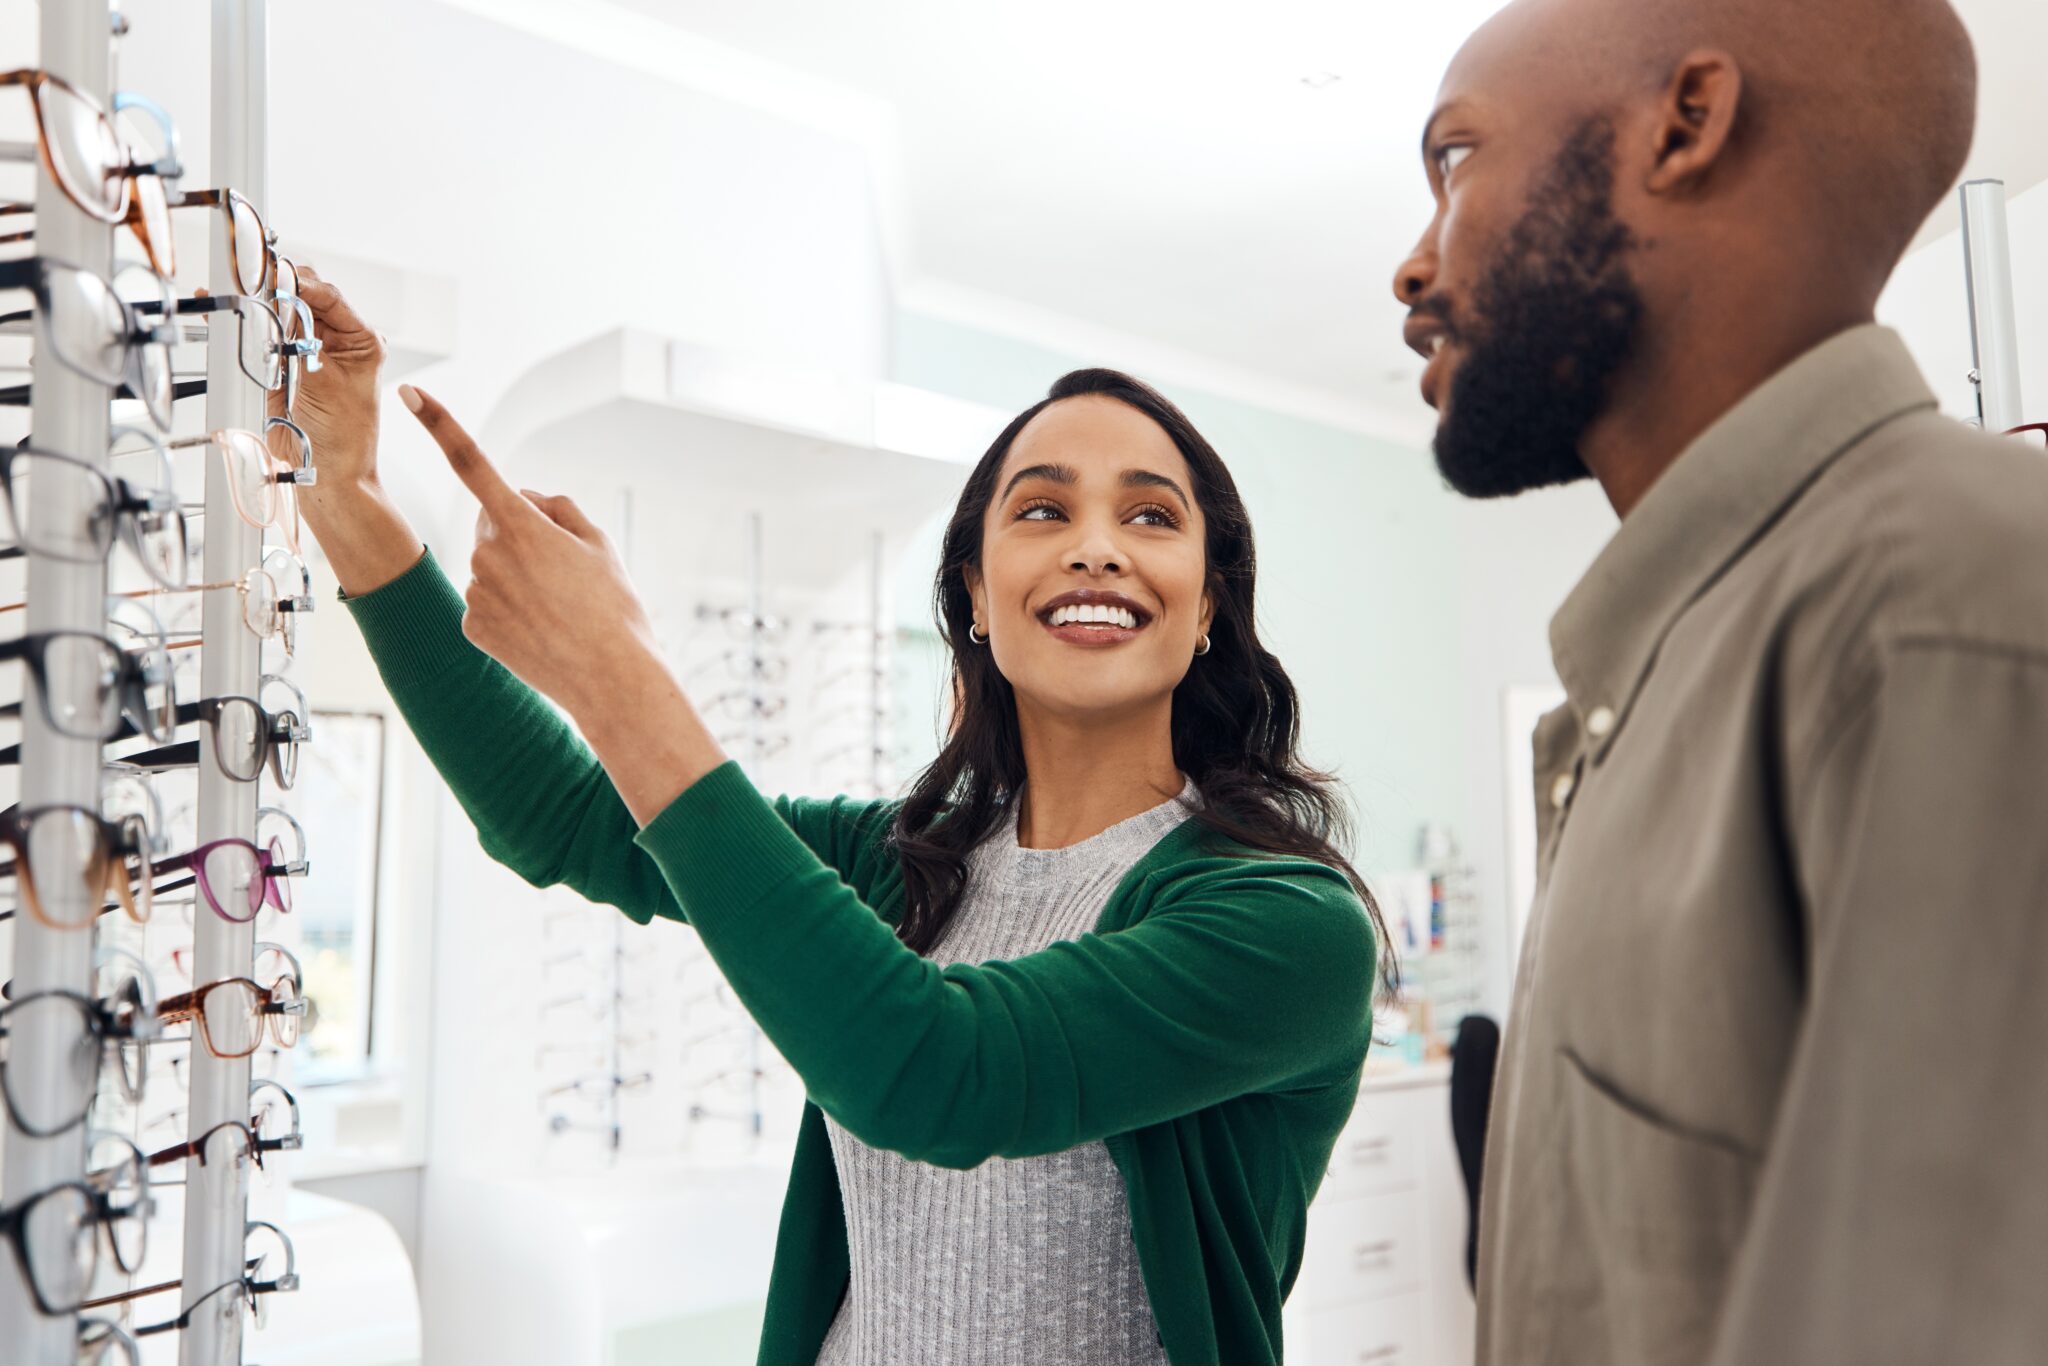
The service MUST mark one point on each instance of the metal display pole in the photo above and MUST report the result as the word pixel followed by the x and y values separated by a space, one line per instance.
pixel 69 414
pixel 1994 330
pixel 877 664
pixel 216 1191
pixel 615 1047
pixel 757 747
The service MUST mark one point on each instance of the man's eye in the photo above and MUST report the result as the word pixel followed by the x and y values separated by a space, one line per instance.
pixel 1449 158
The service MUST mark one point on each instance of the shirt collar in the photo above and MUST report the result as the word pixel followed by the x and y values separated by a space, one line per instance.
pixel 1716 501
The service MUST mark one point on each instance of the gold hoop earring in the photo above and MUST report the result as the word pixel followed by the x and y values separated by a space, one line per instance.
pixel 976 639
pixel 1202 648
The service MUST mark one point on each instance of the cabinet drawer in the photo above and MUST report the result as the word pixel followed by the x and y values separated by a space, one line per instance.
pixel 1362 1248
pixel 1375 1152
pixel 1386 1332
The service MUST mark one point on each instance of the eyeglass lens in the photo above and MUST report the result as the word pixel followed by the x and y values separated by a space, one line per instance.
pixel 60 1028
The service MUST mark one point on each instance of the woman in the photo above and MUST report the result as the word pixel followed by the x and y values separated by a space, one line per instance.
pixel 1079 1019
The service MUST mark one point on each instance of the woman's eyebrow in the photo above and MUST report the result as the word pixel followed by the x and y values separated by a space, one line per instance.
pixel 1066 474
pixel 1146 479
pixel 1058 474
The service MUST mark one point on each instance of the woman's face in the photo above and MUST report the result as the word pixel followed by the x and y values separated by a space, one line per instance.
pixel 1092 585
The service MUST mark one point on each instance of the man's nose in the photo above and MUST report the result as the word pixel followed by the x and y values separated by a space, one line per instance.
pixel 1416 274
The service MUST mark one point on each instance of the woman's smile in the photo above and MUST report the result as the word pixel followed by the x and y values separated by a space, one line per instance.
pixel 1093 618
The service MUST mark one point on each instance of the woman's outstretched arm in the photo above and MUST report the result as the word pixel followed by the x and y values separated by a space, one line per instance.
pixel 1247 976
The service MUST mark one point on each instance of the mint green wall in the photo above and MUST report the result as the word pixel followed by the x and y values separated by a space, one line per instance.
pixel 1358 585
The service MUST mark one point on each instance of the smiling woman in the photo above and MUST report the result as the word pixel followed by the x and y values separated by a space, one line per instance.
pixel 1101 499
pixel 1079 1020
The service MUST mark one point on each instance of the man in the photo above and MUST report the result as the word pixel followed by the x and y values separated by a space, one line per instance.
pixel 1768 1096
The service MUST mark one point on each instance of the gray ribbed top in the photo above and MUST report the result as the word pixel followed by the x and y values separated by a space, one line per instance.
pixel 1018 1262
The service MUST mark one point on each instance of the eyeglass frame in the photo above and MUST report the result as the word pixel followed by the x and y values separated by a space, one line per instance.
pixel 191 1005
pixel 148 186
pixel 123 504
pixel 99 1218
pixel 135 671
pixel 278 732
pixel 286 1282
pixel 117 841
pixel 269 867
pixel 32 275
pixel 99 1023
pixel 35 79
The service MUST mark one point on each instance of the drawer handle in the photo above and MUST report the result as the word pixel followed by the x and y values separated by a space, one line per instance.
pixel 1372 1256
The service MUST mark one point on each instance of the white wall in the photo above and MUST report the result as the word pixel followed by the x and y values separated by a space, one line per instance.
pixel 1517 560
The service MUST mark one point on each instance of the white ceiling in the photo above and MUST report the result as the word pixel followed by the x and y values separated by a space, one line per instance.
pixel 1158 176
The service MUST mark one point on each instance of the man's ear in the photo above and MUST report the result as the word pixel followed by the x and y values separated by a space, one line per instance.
pixel 1695 121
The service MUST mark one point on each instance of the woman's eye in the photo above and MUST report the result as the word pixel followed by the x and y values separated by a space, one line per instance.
pixel 1448 159
pixel 1030 514
pixel 1158 516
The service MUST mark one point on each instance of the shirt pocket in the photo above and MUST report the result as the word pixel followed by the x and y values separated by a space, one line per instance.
pixel 1665 1208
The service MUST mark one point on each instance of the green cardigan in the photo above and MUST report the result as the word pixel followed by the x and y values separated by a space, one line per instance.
pixel 1211 1030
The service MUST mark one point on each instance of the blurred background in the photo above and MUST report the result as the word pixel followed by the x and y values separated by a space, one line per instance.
pixel 756 282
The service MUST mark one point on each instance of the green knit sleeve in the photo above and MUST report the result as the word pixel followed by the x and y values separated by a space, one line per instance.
pixel 542 804
pixel 1248 975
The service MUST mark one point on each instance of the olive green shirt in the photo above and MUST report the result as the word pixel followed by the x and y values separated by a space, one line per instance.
pixel 1770 1090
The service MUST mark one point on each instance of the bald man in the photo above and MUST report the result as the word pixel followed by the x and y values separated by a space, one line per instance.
pixel 1769 1094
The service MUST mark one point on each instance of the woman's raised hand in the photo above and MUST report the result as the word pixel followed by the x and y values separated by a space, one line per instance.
pixel 368 541
pixel 337 404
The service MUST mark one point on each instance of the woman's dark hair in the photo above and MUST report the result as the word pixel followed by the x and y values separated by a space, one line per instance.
pixel 1236 722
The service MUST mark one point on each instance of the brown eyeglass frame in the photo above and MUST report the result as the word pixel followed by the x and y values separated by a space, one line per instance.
pixel 2041 427
pixel 190 1006
pixel 163 256
pixel 113 876
pixel 35 78
pixel 226 200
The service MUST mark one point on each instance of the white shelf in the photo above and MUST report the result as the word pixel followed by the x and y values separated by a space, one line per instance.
pixel 415 310
pixel 703 438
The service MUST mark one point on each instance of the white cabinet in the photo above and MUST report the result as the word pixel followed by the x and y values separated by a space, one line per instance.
pixel 1362 1248
pixel 1385 1332
pixel 1383 1273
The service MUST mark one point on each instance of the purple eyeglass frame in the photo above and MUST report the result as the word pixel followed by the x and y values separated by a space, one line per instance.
pixel 272 876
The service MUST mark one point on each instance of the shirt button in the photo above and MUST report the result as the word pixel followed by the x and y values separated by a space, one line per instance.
pixel 1561 790
pixel 1600 722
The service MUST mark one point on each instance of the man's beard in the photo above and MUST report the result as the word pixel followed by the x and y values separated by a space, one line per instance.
pixel 1556 315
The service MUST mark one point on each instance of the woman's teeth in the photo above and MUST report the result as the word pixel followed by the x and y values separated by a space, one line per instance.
pixel 1094 615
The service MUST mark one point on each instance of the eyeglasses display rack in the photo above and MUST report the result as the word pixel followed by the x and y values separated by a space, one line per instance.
pixel 90 836
pixel 216 1192
pixel 70 414
pixel 641 1046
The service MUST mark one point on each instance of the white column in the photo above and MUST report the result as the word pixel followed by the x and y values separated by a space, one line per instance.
pixel 216 1192
pixel 1994 331
pixel 69 415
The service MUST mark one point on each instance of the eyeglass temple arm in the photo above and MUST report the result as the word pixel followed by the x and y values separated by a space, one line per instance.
pixel 123 1296
pixel 205 303
pixel 19 395
pixel 183 755
pixel 143 1292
